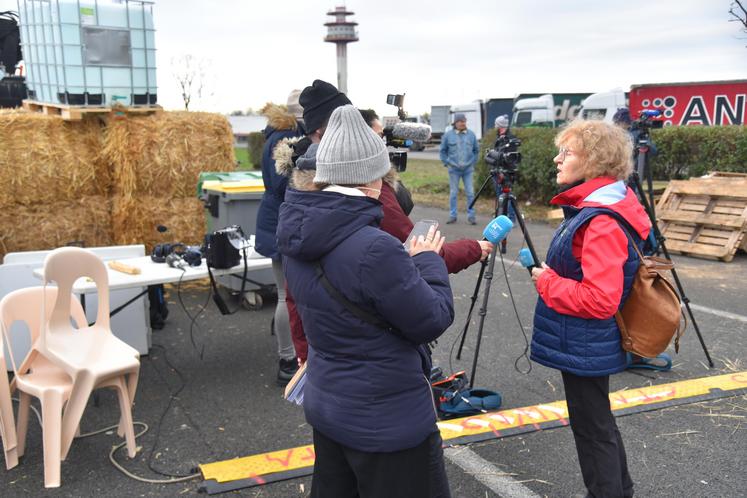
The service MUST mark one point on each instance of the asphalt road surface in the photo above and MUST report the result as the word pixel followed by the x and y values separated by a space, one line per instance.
pixel 226 404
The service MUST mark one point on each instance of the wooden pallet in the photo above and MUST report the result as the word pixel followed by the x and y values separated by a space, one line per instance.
pixel 76 113
pixel 704 217
pixel 726 174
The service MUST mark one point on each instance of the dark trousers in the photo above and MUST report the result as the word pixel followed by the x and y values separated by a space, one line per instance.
pixel 601 453
pixel 341 472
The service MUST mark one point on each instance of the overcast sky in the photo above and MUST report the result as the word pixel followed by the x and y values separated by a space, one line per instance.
pixel 444 52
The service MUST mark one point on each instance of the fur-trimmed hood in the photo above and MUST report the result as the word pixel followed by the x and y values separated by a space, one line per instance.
pixel 278 117
pixel 283 156
pixel 303 179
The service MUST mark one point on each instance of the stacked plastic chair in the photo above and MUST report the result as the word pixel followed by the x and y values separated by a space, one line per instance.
pixel 65 363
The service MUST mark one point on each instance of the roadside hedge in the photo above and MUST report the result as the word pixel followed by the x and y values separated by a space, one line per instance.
pixel 689 151
pixel 683 152
pixel 536 173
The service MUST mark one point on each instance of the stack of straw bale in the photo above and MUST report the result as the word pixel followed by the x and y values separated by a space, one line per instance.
pixel 106 183
pixel 156 161
pixel 54 183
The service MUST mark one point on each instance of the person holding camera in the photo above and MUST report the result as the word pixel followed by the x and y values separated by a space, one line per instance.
pixel 298 162
pixel 459 153
pixel 501 125
pixel 281 123
pixel 367 394
pixel 591 264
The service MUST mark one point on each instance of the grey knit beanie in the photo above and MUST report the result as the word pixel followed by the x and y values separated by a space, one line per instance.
pixel 501 121
pixel 350 153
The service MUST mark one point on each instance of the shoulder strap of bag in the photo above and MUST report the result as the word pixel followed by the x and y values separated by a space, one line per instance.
pixel 363 314
pixel 349 305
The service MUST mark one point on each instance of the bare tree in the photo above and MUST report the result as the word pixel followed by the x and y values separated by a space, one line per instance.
pixel 190 73
pixel 738 14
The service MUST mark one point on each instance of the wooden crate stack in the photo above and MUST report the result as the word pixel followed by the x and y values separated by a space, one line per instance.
pixel 705 217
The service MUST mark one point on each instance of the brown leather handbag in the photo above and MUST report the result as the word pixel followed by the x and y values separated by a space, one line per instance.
pixel 652 315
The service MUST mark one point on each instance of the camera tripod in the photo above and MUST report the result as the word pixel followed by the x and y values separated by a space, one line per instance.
pixel 642 146
pixel 503 180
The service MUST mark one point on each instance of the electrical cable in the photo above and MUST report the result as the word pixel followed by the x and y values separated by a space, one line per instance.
pixel 129 474
pixel 521 327
pixel 114 449
pixel 172 397
pixel 192 319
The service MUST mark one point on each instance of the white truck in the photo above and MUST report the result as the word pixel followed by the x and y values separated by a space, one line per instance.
pixel 603 105
pixel 538 111
pixel 440 120
pixel 473 113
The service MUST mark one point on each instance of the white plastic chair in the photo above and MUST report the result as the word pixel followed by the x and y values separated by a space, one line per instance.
pixel 90 355
pixel 38 377
pixel 7 425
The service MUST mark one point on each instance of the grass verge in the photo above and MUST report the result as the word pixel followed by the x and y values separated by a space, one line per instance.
pixel 242 157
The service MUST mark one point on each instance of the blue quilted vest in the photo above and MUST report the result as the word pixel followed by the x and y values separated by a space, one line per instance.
pixel 582 346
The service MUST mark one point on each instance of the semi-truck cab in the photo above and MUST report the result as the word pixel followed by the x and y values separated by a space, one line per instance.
pixel 603 105
pixel 538 111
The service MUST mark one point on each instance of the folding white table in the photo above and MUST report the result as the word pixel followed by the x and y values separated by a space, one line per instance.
pixel 152 273
pixel 160 273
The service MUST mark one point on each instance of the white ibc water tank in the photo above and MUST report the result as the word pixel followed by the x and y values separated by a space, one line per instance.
pixel 99 52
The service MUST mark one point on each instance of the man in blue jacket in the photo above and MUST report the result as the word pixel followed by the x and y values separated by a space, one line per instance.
pixel 459 152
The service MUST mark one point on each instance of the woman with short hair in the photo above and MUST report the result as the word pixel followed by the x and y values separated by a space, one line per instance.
pixel 589 272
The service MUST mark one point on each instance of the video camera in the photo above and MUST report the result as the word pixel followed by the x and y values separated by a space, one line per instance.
pixel 504 157
pixel 403 135
pixel 647 119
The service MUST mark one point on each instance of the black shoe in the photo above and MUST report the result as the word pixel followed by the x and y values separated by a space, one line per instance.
pixel 450 221
pixel 286 369
pixel 472 221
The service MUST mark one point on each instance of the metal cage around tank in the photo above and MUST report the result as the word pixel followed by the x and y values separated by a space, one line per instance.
pixel 90 53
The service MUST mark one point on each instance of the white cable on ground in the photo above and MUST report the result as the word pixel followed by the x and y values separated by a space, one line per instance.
pixel 116 464
pixel 143 479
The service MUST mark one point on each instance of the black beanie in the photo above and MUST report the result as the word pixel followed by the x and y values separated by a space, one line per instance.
pixel 318 102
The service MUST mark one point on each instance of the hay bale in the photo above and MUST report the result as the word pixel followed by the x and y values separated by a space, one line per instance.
pixel 46 160
pixel 135 220
pixel 48 226
pixel 162 155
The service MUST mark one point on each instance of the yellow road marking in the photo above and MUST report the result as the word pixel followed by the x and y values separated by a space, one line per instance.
pixel 501 423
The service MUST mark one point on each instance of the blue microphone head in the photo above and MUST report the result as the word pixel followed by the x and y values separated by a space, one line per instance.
pixel 526 259
pixel 498 229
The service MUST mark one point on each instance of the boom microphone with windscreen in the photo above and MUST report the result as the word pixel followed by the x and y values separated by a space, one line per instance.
pixel 417 132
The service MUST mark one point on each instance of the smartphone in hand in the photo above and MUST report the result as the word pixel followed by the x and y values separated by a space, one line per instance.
pixel 420 228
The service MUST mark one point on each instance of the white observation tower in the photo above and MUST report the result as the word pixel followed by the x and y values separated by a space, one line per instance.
pixel 341 32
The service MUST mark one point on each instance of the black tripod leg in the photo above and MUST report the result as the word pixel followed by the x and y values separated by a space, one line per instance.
pixel 479 191
pixel 660 242
pixel 650 182
pixel 483 312
pixel 524 231
pixel 471 308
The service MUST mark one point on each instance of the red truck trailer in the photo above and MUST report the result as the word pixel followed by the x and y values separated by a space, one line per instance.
pixel 708 103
